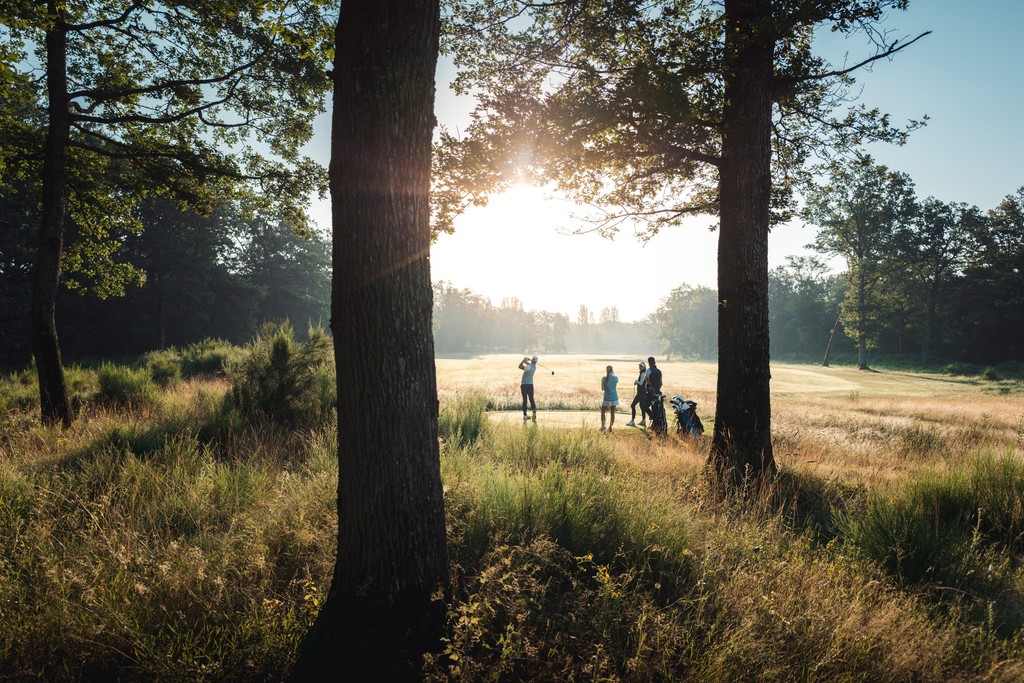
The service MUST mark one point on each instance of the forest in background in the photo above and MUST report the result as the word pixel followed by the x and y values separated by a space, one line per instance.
pixel 185 277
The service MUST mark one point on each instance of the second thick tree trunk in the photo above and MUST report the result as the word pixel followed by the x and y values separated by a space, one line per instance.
pixel 392 553
pixel 741 446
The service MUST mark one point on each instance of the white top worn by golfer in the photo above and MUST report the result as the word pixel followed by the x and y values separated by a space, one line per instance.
pixel 529 367
pixel 528 370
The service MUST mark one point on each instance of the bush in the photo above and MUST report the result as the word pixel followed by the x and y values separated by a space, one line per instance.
pixel 207 358
pixel 990 374
pixel 960 368
pixel 284 381
pixel 164 367
pixel 125 386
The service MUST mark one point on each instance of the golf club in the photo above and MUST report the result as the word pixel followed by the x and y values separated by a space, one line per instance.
pixel 546 368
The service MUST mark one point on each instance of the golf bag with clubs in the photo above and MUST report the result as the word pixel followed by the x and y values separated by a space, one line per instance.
pixel 687 421
pixel 656 409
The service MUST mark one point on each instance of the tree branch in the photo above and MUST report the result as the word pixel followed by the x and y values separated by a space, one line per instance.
pixel 98 97
pixel 138 118
pixel 106 23
pixel 891 50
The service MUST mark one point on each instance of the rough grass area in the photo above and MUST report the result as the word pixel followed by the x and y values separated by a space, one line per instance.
pixel 161 542
pixel 172 534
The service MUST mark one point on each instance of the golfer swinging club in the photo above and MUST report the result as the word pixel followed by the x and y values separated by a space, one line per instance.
pixel 529 367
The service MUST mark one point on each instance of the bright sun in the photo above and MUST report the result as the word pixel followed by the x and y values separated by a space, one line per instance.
pixel 518 246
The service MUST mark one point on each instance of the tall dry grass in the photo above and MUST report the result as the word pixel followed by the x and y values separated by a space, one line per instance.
pixel 174 539
pixel 161 541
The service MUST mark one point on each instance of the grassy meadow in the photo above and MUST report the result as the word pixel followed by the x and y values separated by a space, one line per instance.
pixel 184 529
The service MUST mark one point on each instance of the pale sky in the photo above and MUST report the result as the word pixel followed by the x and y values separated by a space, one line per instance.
pixel 966 76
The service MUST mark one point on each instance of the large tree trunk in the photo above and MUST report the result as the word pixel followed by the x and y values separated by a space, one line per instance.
pixel 392 553
pixel 742 447
pixel 53 394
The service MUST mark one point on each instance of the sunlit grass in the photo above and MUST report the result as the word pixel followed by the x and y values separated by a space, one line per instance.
pixel 170 539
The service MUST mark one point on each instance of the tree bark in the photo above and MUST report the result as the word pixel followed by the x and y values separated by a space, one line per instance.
pixel 862 319
pixel 53 395
pixel 831 336
pixel 392 554
pixel 929 323
pixel 741 447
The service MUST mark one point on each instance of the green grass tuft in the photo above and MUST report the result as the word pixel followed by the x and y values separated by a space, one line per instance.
pixel 124 386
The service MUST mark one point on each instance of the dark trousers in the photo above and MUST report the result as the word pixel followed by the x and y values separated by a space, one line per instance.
pixel 527 390
pixel 641 400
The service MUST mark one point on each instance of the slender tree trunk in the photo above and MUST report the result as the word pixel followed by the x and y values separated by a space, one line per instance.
pixel 929 323
pixel 392 555
pixel 831 336
pixel 862 318
pixel 741 446
pixel 53 395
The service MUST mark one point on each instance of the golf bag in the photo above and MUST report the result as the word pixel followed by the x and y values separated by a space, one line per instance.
pixel 687 422
pixel 656 409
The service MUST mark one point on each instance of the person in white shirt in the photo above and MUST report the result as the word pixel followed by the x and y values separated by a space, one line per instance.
pixel 529 367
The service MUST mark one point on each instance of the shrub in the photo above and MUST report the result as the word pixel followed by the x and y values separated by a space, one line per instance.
pixel 960 368
pixel 284 381
pixel 125 386
pixel 164 368
pixel 990 374
pixel 207 358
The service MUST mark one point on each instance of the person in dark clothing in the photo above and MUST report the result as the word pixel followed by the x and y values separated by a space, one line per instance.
pixel 653 377
pixel 640 398
pixel 529 368
pixel 656 409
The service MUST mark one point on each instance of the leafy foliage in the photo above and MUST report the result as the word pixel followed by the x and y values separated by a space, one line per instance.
pixel 688 322
pixel 284 381
pixel 859 214
pixel 620 104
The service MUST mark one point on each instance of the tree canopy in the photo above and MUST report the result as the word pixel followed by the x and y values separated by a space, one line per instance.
pixel 620 105
pixel 140 99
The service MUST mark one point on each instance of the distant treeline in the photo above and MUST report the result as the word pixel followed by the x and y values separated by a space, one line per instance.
pixel 184 277
pixel 933 282
pixel 466 322
pixel 181 278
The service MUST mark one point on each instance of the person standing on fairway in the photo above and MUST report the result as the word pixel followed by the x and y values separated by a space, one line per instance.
pixel 529 367
pixel 640 398
pixel 656 408
pixel 653 378
pixel 610 400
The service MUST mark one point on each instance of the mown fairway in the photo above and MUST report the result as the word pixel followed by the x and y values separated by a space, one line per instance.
pixel 584 373
pixel 836 421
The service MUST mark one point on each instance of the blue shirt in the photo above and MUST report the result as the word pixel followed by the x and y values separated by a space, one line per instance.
pixel 608 383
